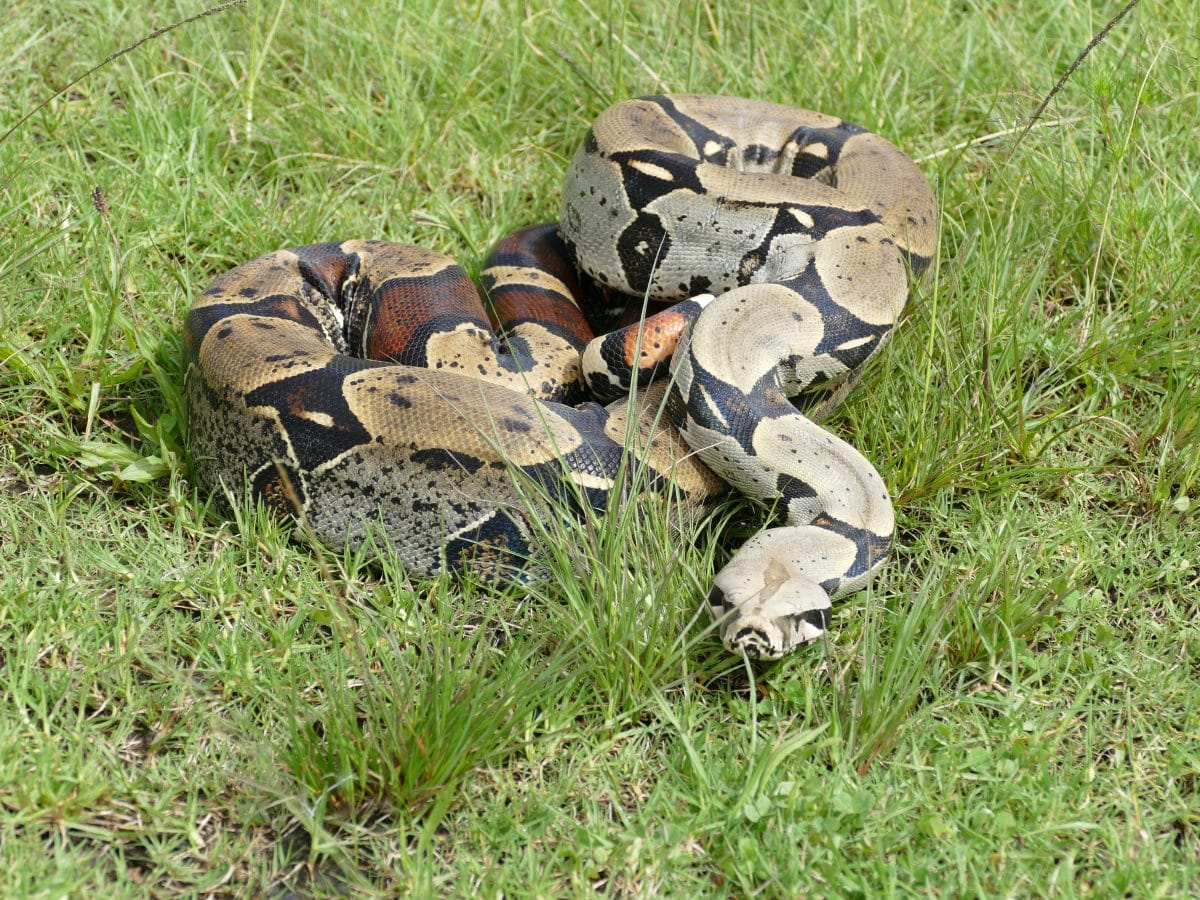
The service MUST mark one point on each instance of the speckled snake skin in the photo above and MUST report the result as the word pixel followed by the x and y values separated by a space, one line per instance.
pixel 363 387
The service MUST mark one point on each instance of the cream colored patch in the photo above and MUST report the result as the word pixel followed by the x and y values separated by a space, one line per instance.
pixel 745 333
pixel 590 228
pixel 873 171
pixel 417 409
pixel 640 123
pixel 235 352
pixel 466 345
pixel 503 276
pixel 325 420
pixel 857 342
pixel 587 480
pixel 707 239
pixel 865 276
pixel 651 170
pixel 771 188
pixel 806 221
pixel 845 483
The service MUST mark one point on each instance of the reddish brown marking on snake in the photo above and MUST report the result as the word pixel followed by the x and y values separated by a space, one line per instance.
pixel 537 248
pixel 284 308
pixel 328 265
pixel 659 337
pixel 405 316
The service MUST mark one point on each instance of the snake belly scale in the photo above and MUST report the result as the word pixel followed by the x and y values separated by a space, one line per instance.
pixel 363 386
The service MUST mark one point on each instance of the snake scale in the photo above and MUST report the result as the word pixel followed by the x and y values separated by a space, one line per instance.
pixel 363 386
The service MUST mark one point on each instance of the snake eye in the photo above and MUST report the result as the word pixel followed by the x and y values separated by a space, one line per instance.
pixel 716 602
pixel 818 618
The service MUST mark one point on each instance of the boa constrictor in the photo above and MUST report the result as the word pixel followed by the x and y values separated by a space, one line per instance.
pixel 362 385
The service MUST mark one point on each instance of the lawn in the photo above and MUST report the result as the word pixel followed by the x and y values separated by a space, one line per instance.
pixel 196 700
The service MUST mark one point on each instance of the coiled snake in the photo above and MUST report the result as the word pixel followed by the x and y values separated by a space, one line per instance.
pixel 362 384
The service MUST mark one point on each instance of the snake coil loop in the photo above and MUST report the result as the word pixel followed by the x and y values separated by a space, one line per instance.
pixel 362 384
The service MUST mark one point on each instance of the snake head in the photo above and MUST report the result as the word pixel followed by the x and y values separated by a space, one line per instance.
pixel 768 608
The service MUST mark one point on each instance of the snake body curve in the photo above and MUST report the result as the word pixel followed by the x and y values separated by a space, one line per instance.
pixel 362 385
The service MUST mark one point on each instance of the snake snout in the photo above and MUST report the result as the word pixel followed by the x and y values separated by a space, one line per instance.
pixel 755 642
pixel 761 638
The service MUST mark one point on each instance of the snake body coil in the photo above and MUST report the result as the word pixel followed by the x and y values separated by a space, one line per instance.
pixel 363 386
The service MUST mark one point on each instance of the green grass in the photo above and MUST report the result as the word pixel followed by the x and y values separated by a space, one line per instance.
pixel 199 703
